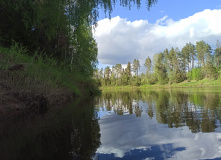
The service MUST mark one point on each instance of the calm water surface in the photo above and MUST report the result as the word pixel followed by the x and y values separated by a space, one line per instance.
pixel 135 125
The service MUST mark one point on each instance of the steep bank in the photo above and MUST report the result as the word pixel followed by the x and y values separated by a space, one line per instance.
pixel 37 82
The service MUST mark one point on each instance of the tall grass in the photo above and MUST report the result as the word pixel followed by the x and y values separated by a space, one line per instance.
pixel 42 76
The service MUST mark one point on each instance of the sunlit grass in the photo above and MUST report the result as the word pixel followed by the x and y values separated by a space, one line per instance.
pixel 185 84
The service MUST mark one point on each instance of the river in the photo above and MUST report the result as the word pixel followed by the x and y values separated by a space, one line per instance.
pixel 135 125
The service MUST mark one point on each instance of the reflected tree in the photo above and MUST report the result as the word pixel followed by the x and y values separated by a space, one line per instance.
pixel 176 108
pixel 85 137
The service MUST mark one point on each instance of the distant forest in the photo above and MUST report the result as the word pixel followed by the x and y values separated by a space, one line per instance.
pixel 193 62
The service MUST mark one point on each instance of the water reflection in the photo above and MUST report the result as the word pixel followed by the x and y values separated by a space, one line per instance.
pixel 160 124
pixel 141 124
pixel 198 110
pixel 66 133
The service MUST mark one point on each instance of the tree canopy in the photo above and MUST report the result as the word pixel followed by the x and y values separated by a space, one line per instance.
pixel 59 28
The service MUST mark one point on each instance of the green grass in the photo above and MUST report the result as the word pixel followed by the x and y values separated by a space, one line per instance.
pixel 185 84
pixel 200 83
pixel 42 76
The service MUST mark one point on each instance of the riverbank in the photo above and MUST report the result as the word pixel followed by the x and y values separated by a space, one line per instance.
pixel 37 82
pixel 185 84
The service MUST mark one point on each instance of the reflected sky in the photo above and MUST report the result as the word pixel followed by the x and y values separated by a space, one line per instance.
pixel 142 137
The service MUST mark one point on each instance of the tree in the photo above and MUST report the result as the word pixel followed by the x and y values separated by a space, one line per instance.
pixel 185 55
pixel 136 67
pixel 160 69
pixel 166 58
pixel 113 76
pixel 128 72
pixel 118 69
pixel 61 29
pixel 107 74
pixel 202 49
pixel 217 55
pixel 148 65
pixel 210 70
pixel 174 66
pixel 191 49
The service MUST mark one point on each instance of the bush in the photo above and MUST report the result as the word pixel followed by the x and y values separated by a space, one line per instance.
pixel 197 74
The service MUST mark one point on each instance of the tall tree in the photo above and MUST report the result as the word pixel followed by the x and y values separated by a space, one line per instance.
pixel 136 67
pixel 160 68
pixel 118 69
pixel 202 49
pixel 211 71
pixel 217 54
pixel 128 69
pixel 107 74
pixel 185 55
pixel 128 72
pixel 166 58
pixel 192 52
pixel 148 65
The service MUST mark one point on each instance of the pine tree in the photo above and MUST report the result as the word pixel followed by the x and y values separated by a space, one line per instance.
pixel 136 67
pixel 148 65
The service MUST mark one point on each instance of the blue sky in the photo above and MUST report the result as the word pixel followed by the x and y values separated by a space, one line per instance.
pixel 175 9
pixel 169 23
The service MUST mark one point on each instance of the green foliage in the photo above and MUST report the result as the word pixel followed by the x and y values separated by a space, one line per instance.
pixel 197 74
pixel 43 73
pixel 148 65
pixel 152 79
pixel 188 55
pixel 202 49
pixel 210 70
pixel 160 69
pixel 189 76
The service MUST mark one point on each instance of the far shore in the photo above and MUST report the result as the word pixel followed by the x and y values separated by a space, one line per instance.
pixel 185 84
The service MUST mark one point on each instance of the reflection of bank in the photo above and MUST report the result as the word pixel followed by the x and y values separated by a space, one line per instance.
pixel 199 120
pixel 175 108
pixel 65 132
pixel 178 112
pixel 122 104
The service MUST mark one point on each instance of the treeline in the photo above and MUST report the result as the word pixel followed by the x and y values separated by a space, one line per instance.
pixel 192 62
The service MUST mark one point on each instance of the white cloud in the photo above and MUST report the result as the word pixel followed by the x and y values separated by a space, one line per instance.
pixel 120 41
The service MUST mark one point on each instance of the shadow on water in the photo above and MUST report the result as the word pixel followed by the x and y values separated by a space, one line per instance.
pixel 65 133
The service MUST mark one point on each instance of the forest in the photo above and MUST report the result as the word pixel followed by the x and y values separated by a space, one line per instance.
pixel 47 50
pixel 193 62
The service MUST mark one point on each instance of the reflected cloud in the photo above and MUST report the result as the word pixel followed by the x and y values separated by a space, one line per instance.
pixel 121 135
pixel 171 127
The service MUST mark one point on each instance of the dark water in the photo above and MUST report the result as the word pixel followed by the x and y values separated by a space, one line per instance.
pixel 135 125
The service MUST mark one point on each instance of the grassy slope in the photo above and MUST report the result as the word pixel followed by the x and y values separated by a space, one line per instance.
pixel 185 84
pixel 39 82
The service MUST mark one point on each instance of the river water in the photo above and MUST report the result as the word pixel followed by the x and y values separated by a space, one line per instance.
pixel 135 125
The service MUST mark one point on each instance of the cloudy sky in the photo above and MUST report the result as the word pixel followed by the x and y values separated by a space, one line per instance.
pixel 141 33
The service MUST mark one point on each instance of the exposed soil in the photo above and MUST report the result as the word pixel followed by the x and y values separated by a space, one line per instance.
pixel 14 101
